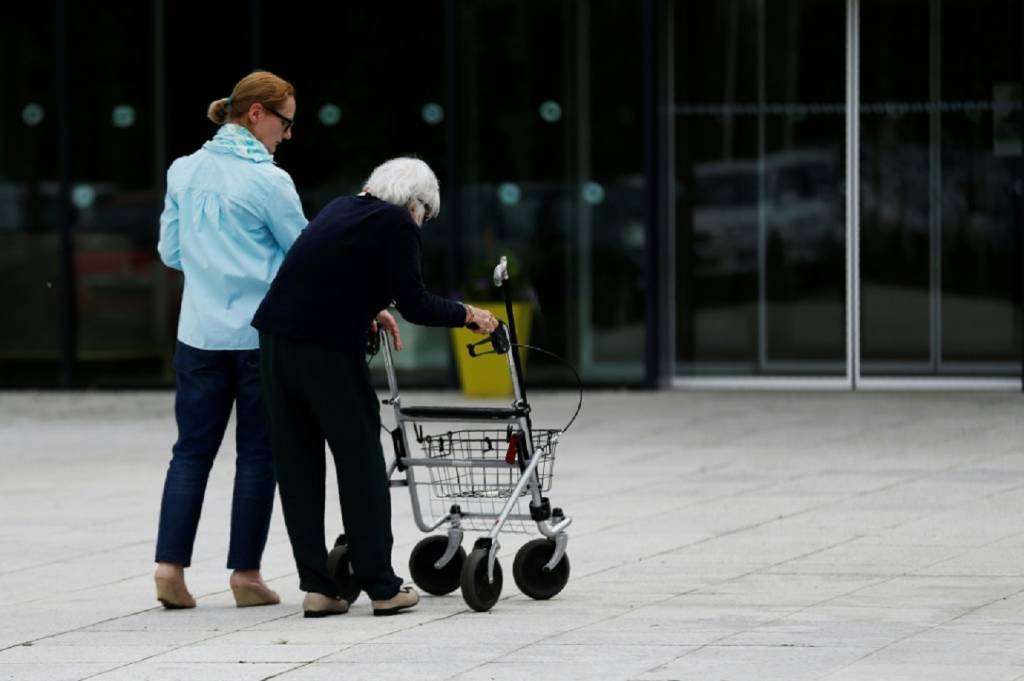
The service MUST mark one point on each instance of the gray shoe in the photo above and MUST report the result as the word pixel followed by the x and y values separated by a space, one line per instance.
pixel 403 600
pixel 319 605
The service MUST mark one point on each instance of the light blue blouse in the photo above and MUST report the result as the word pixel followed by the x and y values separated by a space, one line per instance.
pixel 229 217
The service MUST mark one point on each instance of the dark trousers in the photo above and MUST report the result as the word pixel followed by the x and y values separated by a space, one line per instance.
pixel 314 393
pixel 208 383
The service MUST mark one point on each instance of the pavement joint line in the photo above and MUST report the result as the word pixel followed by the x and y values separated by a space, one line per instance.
pixel 891 475
pixel 644 486
pixel 872 584
pixel 614 616
pixel 140 575
pixel 688 504
pixel 963 502
pixel 825 504
pixel 568 631
pixel 245 628
pixel 721 640
pixel 179 647
pixel 368 640
pixel 691 544
pixel 31 642
pixel 924 630
pixel 79 556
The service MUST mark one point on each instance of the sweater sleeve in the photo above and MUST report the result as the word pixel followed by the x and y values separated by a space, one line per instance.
pixel 414 301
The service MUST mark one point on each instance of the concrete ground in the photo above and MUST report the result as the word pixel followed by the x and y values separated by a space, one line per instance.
pixel 717 536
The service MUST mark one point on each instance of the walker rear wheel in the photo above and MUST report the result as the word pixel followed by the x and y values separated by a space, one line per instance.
pixel 427 577
pixel 476 591
pixel 530 575
pixel 340 567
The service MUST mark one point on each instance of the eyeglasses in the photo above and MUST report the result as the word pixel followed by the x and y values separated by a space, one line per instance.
pixel 288 122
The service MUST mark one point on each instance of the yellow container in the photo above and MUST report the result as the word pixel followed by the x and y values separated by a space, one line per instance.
pixel 488 376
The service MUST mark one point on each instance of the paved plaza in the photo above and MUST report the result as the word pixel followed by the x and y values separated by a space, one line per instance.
pixel 716 535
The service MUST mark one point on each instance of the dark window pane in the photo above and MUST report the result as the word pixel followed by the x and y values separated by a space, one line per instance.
pixel 760 227
pixel 30 283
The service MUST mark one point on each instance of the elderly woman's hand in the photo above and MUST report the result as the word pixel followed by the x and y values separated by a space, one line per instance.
pixel 480 321
pixel 385 319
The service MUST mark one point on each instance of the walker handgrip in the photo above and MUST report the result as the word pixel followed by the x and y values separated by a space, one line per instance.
pixel 498 340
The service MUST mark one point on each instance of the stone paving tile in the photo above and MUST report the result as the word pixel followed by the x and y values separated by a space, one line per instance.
pixel 834 626
pixel 716 535
pixel 66 654
pixel 779 590
pixel 754 663
pixel 87 637
pixel 1004 558
pixel 955 645
pixel 51 671
pixel 945 592
pixel 866 671
pixel 371 671
pixel 867 558
pixel 426 650
pixel 218 651
pixel 154 670
pixel 574 661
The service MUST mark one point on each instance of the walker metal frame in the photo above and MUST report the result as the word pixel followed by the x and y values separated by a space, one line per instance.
pixel 476 477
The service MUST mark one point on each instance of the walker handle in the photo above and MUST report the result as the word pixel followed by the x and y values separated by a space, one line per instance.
pixel 501 272
pixel 498 339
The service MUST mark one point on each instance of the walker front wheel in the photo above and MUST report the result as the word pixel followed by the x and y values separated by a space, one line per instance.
pixel 478 593
pixel 530 575
pixel 339 566
pixel 438 582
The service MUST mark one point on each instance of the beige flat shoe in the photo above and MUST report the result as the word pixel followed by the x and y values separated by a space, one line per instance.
pixel 319 605
pixel 254 594
pixel 403 600
pixel 173 594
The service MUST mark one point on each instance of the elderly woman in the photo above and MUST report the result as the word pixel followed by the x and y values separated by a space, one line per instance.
pixel 356 257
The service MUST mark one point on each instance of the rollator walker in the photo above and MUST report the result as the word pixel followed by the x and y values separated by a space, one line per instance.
pixel 475 478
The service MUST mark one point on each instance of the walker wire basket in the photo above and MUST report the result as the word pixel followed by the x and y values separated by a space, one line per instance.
pixel 486 464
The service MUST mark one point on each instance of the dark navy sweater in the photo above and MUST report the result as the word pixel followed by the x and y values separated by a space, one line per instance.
pixel 353 259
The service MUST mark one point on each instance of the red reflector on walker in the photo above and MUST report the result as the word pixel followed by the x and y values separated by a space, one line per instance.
pixel 513 444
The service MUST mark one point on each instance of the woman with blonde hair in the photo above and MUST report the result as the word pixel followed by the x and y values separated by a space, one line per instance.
pixel 229 217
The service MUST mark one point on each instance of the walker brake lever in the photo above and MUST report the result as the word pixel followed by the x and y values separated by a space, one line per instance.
pixel 498 339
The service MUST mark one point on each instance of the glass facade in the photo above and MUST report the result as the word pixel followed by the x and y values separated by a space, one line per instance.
pixel 940 147
pixel 761 112
pixel 759 196
pixel 31 285
pixel 613 150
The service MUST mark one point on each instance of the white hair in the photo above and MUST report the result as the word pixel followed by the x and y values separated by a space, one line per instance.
pixel 407 182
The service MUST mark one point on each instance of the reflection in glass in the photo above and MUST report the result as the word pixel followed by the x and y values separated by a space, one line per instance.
pixel 759 177
pixel 940 286
pixel 30 202
pixel 552 173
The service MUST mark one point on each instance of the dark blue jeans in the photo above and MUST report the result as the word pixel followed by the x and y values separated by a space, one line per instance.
pixel 209 382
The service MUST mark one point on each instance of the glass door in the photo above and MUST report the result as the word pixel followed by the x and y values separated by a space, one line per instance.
pixel 940 163
pixel 759 188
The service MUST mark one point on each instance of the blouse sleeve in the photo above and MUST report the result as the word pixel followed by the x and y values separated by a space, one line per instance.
pixel 169 245
pixel 284 216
